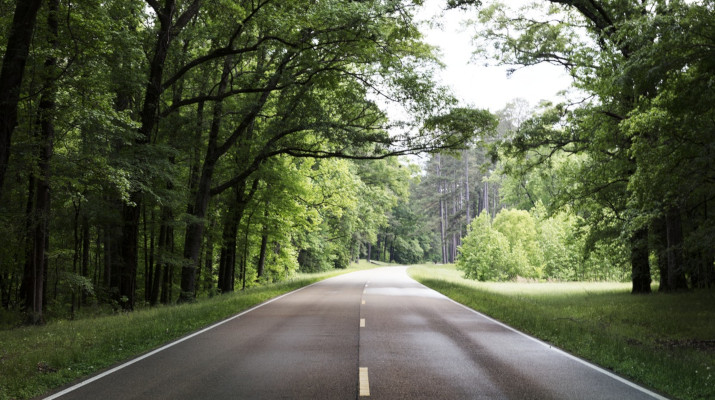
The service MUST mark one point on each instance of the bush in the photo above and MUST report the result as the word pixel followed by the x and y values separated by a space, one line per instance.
pixel 532 245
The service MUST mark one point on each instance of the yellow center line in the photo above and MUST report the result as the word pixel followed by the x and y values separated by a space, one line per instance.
pixel 364 383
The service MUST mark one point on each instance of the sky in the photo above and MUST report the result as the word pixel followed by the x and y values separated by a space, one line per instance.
pixel 472 82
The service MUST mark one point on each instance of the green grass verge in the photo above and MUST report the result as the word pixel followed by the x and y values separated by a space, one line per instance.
pixel 663 341
pixel 35 360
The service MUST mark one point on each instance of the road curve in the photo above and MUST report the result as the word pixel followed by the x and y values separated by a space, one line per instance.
pixel 373 333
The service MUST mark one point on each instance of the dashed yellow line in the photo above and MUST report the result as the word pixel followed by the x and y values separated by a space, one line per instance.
pixel 362 322
pixel 363 302
pixel 364 383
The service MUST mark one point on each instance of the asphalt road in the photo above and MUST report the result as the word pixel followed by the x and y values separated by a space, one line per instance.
pixel 372 333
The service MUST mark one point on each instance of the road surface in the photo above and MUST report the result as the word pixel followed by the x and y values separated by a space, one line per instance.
pixel 374 333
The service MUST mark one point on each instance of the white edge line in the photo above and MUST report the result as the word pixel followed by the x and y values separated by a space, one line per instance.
pixel 556 349
pixel 166 346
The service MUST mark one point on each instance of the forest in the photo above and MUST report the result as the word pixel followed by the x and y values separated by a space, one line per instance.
pixel 159 151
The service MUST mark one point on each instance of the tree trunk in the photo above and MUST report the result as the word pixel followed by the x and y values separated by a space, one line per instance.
pixel 108 244
pixel 442 215
pixel 166 254
pixel 148 265
pixel 97 257
pixel 129 242
pixel 676 270
pixel 262 255
pixel 466 186
pixel 659 244
pixel 640 268
pixel 128 252
pixel 5 289
pixel 264 244
pixel 85 254
pixel 42 203
pixel 199 208
pixel 13 69
pixel 227 263
pixel 156 281
pixel 168 30
pixel 26 287
pixel 392 250
pixel 486 198
pixel 209 261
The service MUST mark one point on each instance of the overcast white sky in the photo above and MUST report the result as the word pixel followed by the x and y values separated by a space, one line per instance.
pixel 471 81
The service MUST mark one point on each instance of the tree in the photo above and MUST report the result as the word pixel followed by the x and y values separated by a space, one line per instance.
pixel 484 252
pixel 197 151
pixel 616 53
pixel 11 74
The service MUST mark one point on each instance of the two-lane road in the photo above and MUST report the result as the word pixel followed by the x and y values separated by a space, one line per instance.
pixel 376 333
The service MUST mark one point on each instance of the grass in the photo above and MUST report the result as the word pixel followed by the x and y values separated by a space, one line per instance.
pixel 662 341
pixel 35 360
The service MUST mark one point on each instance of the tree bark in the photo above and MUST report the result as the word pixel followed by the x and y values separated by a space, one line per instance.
pixel 227 262
pixel 42 203
pixel 13 69
pixel 441 210
pixel 674 231
pixel 466 185
pixel 85 254
pixel 209 260
pixel 659 244
pixel 199 208
pixel 128 260
pixel 640 268
pixel 148 264
pixel 26 291
pixel 214 152
pixel 262 255
pixel 486 197
pixel 156 281
pixel 165 256
pixel 168 29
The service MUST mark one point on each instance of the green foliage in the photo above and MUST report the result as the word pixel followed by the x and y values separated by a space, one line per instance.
pixel 534 245
pixel 520 230
pixel 559 242
pixel 163 125
pixel 484 254
pixel 462 125
pixel 636 149
pixel 407 251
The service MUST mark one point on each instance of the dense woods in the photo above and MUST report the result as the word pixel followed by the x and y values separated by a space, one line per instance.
pixel 155 151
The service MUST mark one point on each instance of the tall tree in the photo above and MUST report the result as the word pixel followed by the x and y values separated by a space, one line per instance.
pixel 619 61
pixel 12 73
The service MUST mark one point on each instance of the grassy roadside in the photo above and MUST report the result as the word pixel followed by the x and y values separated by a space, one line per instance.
pixel 34 360
pixel 666 342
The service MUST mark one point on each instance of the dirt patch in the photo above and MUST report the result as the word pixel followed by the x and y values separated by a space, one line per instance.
pixel 701 345
pixel 45 368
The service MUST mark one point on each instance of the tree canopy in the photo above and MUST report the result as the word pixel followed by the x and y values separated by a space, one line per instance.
pixel 175 148
pixel 644 143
